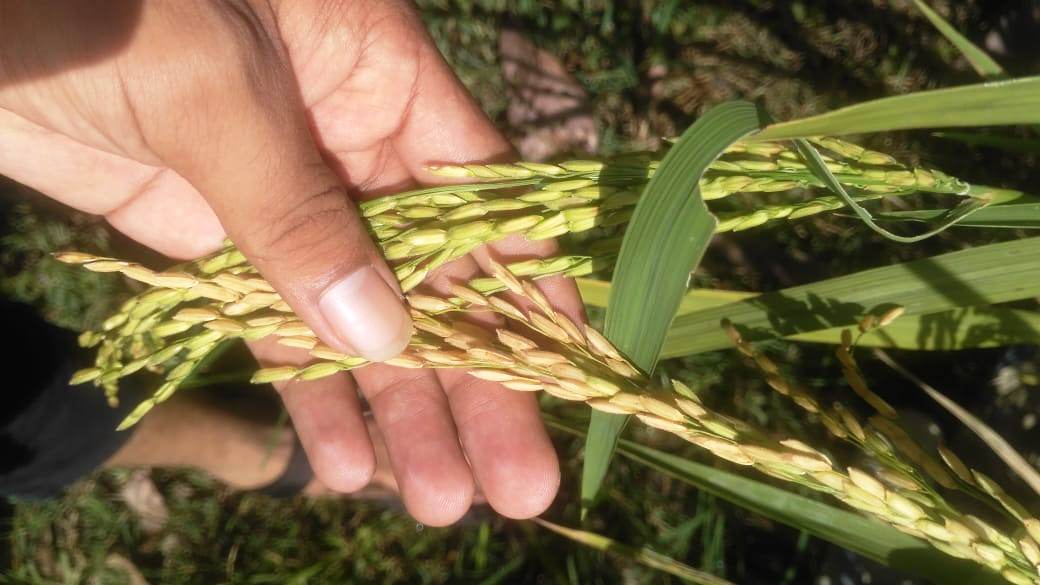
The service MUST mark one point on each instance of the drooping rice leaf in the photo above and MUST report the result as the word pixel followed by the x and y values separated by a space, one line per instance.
pixel 595 293
pixel 846 529
pixel 980 61
pixel 952 216
pixel 965 328
pixel 665 239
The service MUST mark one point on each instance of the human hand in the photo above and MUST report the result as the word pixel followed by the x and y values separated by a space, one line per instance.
pixel 178 120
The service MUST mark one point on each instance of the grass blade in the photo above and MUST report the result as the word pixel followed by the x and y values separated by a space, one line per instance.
pixel 982 63
pixel 998 444
pixel 1014 216
pixel 643 556
pixel 998 103
pixel 967 278
pixel 665 239
pixel 848 530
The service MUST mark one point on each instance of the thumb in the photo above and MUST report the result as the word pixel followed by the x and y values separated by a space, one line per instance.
pixel 262 173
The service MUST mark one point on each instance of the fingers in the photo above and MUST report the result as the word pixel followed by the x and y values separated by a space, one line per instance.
pixel 445 124
pixel 511 455
pixel 501 430
pixel 328 420
pixel 413 414
pixel 259 168
pixel 83 177
pixel 329 423
pixel 508 451
pixel 409 406
pixel 169 216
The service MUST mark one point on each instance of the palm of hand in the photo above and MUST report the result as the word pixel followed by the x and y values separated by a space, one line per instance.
pixel 357 74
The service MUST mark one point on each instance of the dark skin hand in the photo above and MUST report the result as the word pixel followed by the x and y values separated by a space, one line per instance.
pixel 184 121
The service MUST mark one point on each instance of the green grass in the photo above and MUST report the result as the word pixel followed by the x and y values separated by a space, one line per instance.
pixel 214 536
pixel 651 67
pixel 69 298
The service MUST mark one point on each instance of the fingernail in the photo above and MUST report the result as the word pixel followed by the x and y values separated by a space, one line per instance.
pixel 367 314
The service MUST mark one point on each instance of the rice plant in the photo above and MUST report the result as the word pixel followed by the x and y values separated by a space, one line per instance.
pixel 192 308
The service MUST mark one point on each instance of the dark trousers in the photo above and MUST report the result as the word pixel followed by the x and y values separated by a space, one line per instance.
pixel 51 434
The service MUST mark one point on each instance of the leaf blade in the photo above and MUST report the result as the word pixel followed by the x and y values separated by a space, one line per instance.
pixel 974 277
pixel 665 239
pixel 667 236
pixel 961 328
pixel 1011 209
pixel 965 328
pixel 998 103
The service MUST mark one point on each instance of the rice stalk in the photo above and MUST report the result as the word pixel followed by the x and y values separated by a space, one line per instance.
pixel 575 363
pixel 424 229
pixel 908 477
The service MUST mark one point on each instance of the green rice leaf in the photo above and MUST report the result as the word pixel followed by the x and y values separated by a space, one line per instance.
pixel 604 431
pixel 961 328
pixel 983 64
pixel 667 235
pixel 596 293
pixel 998 103
pixel 848 530
pixel 1018 216
pixel 669 231
pixel 980 61
pixel 965 328
pixel 975 277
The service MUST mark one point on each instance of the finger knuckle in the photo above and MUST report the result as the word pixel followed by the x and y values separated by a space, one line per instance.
pixel 303 228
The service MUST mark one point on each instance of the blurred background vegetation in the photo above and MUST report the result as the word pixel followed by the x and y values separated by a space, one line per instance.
pixel 631 72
